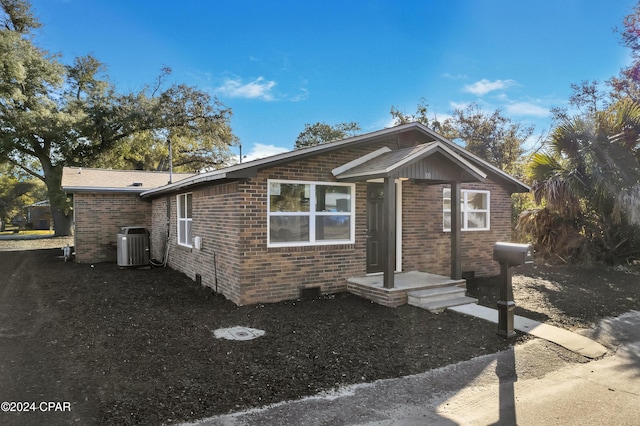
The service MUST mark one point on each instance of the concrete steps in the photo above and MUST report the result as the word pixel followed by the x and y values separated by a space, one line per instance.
pixel 440 298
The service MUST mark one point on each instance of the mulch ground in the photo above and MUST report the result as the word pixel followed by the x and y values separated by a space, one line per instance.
pixel 136 346
pixel 570 297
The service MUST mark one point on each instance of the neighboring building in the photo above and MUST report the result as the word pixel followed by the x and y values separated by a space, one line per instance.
pixel 39 215
pixel 402 198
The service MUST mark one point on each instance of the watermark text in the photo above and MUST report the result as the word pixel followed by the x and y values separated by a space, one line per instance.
pixel 40 406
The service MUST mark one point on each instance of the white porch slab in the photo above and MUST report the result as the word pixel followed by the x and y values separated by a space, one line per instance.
pixel 407 280
pixel 371 286
pixel 572 341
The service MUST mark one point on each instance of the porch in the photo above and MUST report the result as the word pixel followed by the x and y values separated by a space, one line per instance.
pixel 433 163
pixel 431 291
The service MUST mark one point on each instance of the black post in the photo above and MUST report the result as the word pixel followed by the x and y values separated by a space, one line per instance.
pixel 456 227
pixel 389 226
pixel 506 305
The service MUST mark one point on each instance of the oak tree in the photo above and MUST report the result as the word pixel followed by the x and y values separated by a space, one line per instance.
pixel 314 134
pixel 54 115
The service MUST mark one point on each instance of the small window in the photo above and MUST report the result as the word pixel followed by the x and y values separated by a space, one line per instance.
pixel 310 213
pixel 184 219
pixel 474 210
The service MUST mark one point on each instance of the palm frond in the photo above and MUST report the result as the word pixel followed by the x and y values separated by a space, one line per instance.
pixel 625 124
pixel 554 237
pixel 590 175
pixel 627 204
pixel 543 165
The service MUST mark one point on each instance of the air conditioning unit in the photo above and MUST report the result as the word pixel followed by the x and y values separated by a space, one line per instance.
pixel 133 246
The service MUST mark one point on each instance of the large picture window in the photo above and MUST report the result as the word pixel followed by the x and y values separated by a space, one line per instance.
pixel 184 219
pixel 310 213
pixel 474 210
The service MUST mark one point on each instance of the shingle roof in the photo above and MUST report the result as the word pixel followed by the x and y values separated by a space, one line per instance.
pixel 78 179
pixel 388 160
pixel 419 132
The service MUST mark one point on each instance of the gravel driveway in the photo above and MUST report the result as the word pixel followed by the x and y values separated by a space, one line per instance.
pixel 35 242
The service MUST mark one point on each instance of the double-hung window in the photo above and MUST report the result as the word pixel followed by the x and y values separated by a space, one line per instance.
pixel 310 213
pixel 474 210
pixel 184 219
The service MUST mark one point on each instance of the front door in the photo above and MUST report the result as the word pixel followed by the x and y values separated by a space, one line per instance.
pixel 375 231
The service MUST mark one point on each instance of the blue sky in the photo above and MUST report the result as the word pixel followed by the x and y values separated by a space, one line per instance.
pixel 281 64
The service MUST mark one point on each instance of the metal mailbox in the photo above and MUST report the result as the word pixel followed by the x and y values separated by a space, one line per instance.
pixel 508 255
pixel 513 254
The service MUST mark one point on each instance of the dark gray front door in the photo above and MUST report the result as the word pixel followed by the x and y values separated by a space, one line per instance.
pixel 375 231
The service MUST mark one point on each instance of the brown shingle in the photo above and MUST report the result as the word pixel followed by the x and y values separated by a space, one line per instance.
pixel 76 179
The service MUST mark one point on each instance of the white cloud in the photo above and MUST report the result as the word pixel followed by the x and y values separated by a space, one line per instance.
pixel 526 108
pixel 301 96
pixel 256 89
pixel 388 122
pixel 485 86
pixel 260 150
pixel 441 117
pixel 459 105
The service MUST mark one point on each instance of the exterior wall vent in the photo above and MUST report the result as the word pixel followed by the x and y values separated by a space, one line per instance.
pixel 133 246
pixel 309 293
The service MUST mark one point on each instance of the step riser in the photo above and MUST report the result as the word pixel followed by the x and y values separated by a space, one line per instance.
pixel 444 304
pixel 438 299
pixel 454 294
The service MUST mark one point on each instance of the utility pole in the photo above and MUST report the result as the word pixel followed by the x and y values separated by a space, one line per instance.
pixel 170 161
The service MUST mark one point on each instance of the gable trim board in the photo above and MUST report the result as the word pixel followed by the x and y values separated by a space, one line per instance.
pixel 396 163
pixel 230 215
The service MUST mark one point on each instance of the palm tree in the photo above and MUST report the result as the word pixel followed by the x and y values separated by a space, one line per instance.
pixel 588 182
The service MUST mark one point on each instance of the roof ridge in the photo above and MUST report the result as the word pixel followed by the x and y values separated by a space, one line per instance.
pixel 99 169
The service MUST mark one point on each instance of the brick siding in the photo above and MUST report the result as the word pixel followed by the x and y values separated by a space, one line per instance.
pixel 98 219
pixel 427 248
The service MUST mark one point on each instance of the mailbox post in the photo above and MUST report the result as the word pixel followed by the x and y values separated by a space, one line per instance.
pixel 508 255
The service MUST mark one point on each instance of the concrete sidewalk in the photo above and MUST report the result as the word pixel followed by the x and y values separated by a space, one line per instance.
pixel 574 342
pixel 536 383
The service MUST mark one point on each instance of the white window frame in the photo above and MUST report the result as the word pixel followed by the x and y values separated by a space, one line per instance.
pixel 464 198
pixel 312 214
pixel 182 217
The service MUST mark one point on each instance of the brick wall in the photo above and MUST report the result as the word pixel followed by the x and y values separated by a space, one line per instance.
pixel 477 246
pixel 273 274
pixel 159 225
pixel 217 213
pixel 426 247
pixel 98 219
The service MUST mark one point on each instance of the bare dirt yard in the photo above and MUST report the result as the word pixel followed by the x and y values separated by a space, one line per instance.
pixel 137 346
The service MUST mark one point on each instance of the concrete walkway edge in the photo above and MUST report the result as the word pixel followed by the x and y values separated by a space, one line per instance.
pixel 574 342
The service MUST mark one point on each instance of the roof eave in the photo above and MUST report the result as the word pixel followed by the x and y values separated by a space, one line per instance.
pixel 177 186
pixel 359 177
pixel 76 189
